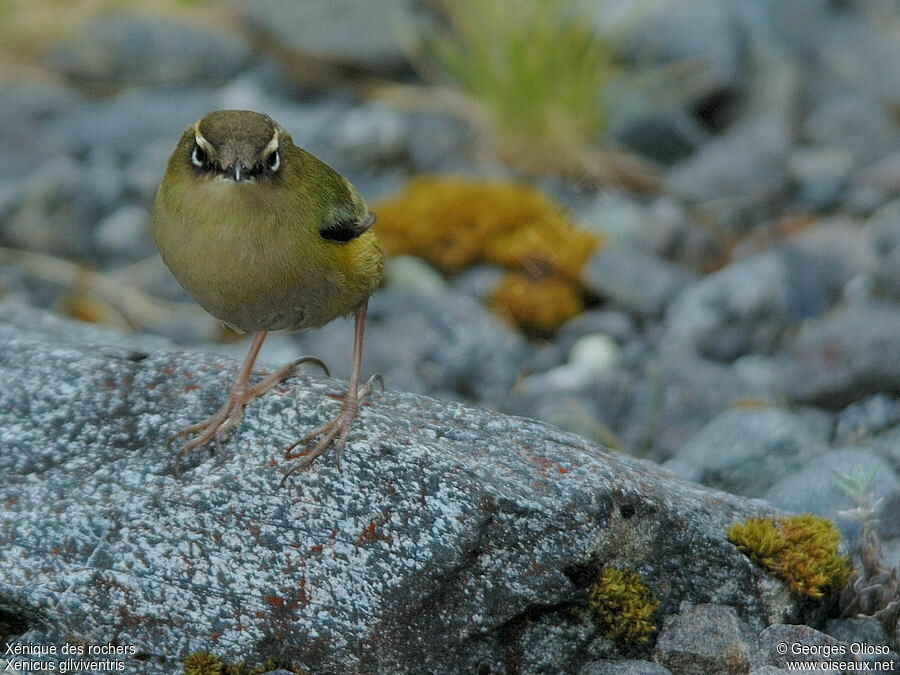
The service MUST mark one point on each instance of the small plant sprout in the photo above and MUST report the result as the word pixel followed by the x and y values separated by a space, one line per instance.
pixel 875 590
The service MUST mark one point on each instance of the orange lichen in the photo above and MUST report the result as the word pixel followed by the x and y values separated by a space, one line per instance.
pixel 540 306
pixel 456 222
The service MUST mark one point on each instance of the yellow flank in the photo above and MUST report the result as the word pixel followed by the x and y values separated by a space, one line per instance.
pixel 802 550
pixel 456 222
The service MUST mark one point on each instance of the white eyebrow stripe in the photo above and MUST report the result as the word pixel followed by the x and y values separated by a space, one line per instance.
pixel 201 141
pixel 273 145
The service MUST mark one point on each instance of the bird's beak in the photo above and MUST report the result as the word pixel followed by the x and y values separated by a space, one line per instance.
pixel 237 171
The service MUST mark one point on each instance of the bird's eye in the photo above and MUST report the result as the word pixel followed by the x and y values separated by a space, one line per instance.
pixel 199 157
pixel 273 161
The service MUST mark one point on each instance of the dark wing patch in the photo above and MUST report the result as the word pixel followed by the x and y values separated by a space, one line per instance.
pixel 347 229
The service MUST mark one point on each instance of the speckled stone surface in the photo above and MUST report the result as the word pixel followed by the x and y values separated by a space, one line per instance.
pixel 454 539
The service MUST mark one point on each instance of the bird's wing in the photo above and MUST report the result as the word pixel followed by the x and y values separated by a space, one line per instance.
pixel 346 229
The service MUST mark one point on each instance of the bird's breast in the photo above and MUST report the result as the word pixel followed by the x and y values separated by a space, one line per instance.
pixel 260 264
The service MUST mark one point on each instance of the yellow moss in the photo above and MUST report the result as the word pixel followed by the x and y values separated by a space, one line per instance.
pixel 750 403
pixel 203 663
pixel 802 550
pixel 455 222
pixel 539 306
pixel 624 605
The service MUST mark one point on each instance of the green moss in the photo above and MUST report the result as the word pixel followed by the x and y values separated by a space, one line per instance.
pixel 802 550
pixel 204 663
pixel 624 604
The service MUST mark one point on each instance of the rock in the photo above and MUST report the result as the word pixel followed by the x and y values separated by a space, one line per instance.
pixel 593 411
pixel 129 122
pixel 26 109
pixel 747 298
pixel 746 307
pixel 591 358
pixel 54 211
pixel 746 450
pixel 453 540
pixel 712 174
pixel 674 235
pixel 882 174
pixel 439 142
pixel 619 217
pixel 52 329
pixel 786 646
pixel 842 50
pixel 863 420
pixel 702 32
pixel 125 233
pixel 663 134
pixel 780 643
pixel 883 229
pixel 411 274
pixel 624 667
pixel 144 170
pixel 834 252
pixel 866 630
pixel 634 279
pixel 617 324
pixel 477 281
pixel 703 640
pixel 447 345
pixel 676 394
pixel 821 174
pixel 369 134
pixel 853 123
pixel 347 33
pixel 845 356
pixel 129 49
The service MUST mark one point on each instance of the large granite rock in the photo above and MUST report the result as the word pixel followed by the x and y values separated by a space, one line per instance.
pixel 454 539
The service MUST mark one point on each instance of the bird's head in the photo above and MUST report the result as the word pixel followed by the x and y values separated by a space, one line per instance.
pixel 238 146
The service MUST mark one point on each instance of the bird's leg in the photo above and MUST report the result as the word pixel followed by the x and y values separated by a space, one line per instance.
pixel 241 393
pixel 336 430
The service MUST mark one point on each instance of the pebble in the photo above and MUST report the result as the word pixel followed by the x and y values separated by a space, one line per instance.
pixel 592 356
pixel 130 49
pixel 125 233
pixel 635 279
pixel 448 345
pixel 343 32
pixel 703 639
pixel 406 272
pixel 812 488
pixel 745 451
pixel 845 356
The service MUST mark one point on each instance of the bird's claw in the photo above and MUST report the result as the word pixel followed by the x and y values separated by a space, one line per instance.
pixel 335 431
pixel 218 426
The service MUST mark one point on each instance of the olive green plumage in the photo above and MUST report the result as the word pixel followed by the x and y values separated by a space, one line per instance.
pixel 261 233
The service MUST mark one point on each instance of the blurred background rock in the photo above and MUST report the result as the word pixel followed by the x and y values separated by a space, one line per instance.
pixel 663 224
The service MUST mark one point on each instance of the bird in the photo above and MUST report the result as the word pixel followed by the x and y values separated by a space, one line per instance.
pixel 266 237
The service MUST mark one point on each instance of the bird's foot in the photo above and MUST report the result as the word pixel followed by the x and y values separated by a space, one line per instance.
pixel 335 431
pixel 218 426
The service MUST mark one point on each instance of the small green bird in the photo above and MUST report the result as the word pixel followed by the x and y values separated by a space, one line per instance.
pixel 266 237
